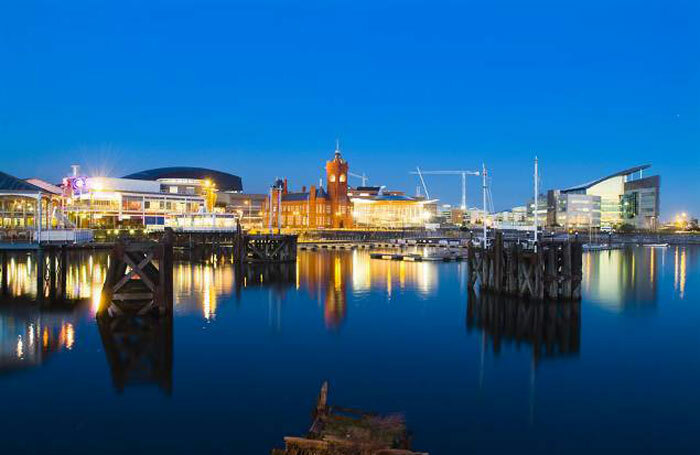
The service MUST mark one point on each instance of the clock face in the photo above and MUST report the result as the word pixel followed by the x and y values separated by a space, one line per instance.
pixel 342 178
pixel 331 178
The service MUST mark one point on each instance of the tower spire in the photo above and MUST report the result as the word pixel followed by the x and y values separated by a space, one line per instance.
pixel 337 147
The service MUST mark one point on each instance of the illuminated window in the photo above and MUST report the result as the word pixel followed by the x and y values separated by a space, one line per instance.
pixel 331 178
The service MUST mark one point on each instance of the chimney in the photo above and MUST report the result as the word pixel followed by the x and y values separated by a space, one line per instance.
pixel 303 189
pixel 285 186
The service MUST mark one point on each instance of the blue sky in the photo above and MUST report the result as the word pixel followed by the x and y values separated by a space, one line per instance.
pixel 262 89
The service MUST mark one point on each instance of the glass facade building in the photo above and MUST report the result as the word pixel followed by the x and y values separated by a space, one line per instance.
pixel 625 197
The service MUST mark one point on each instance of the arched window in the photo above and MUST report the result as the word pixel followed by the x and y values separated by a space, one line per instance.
pixel 331 178
pixel 342 178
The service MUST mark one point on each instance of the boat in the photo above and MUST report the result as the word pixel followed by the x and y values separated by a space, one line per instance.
pixel 656 245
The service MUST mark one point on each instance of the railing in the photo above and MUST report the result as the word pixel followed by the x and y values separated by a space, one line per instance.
pixel 63 236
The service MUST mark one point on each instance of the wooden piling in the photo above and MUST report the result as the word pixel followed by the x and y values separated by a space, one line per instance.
pixel 133 283
pixel 552 272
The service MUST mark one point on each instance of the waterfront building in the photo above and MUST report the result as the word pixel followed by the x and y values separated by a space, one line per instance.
pixel 392 211
pixel 640 203
pixel 573 210
pixel 517 216
pixel 338 206
pixel 25 208
pixel 315 208
pixel 473 216
pixel 176 197
pixel 248 207
pixel 625 197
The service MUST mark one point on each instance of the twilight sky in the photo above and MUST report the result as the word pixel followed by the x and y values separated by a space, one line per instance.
pixel 263 88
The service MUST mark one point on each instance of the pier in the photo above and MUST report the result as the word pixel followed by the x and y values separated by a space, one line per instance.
pixel 552 270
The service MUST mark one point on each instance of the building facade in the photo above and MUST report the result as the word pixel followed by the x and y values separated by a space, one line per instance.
pixel 625 197
pixel 573 210
pixel 640 203
pixel 316 208
pixel 177 197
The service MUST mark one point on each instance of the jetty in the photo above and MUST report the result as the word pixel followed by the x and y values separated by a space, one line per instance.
pixel 551 270
pixel 437 256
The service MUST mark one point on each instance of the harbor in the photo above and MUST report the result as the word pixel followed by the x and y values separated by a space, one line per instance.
pixel 306 315
pixel 349 228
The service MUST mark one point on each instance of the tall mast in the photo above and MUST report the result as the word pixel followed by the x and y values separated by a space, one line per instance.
pixel 269 215
pixel 464 191
pixel 483 173
pixel 536 200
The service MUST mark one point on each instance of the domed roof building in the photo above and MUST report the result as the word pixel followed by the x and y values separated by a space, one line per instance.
pixel 222 180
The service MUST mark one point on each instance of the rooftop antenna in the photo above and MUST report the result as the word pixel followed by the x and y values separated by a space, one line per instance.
pixel 337 147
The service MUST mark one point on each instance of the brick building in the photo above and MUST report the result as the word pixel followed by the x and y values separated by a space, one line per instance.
pixel 315 208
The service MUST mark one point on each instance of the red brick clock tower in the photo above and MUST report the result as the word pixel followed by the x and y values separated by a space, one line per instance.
pixel 337 178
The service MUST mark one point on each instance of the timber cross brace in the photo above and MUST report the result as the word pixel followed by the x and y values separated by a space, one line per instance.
pixel 270 248
pixel 553 272
pixel 134 284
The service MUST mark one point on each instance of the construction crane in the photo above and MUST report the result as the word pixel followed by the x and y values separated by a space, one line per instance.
pixel 362 177
pixel 464 175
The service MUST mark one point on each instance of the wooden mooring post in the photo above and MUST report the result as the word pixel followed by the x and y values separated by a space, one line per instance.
pixel 553 272
pixel 134 284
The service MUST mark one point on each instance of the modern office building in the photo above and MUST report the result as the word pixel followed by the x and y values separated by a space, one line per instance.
pixel 625 197
pixel 573 210
pixel 640 203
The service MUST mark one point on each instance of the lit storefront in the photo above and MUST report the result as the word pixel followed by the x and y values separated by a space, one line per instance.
pixel 391 211
pixel 105 202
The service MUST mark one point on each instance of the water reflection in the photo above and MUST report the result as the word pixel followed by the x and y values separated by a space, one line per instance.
pixel 629 278
pixel 29 335
pixel 327 277
pixel 550 329
pixel 200 287
pixel 84 276
pixel 679 270
pixel 621 278
pixel 139 350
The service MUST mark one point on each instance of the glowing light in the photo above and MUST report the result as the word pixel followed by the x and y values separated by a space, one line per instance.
pixel 682 274
pixel 20 347
pixel 337 274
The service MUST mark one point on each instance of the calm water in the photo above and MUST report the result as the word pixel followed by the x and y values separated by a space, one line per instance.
pixel 471 375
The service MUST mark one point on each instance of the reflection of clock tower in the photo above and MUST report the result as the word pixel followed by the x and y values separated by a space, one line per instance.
pixel 337 178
